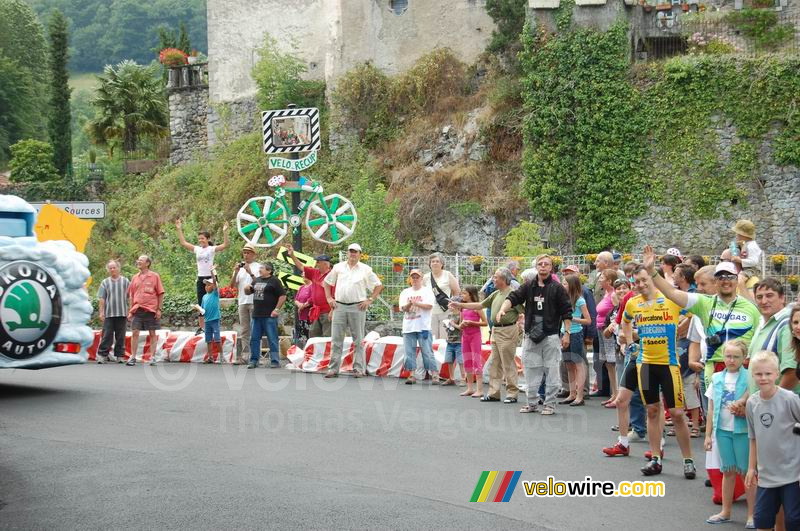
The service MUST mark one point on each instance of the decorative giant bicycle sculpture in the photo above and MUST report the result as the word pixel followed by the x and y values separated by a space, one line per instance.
pixel 265 221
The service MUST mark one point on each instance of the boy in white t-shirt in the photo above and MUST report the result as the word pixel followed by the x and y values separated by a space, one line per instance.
pixel 417 305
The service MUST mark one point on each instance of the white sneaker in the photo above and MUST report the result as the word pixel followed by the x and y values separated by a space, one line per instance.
pixel 101 359
pixel 111 358
pixel 634 437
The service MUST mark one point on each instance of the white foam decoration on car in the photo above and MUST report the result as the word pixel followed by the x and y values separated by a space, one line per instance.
pixel 253 212
pixel 344 227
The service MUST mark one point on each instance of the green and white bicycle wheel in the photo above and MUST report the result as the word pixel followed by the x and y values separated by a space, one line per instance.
pixel 331 220
pixel 262 221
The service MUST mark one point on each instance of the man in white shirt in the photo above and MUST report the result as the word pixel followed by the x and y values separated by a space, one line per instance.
pixel 243 277
pixel 357 287
pixel 417 305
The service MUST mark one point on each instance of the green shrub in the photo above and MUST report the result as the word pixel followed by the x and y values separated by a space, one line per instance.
pixel 32 161
pixel 525 240
pixel 278 76
pixel 433 77
pixel 375 105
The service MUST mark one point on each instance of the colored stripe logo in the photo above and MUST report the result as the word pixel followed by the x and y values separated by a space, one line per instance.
pixel 494 486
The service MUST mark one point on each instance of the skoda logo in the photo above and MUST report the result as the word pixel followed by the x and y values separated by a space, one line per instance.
pixel 30 309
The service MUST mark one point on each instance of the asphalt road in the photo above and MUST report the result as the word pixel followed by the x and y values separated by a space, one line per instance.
pixel 188 446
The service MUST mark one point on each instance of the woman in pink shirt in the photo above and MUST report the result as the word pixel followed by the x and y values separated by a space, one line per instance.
pixel 607 350
pixel 304 303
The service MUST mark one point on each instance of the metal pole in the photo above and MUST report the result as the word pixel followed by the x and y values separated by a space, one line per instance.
pixel 295 177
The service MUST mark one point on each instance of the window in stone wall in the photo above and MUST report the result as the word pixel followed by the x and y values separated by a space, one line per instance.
pixel 398 7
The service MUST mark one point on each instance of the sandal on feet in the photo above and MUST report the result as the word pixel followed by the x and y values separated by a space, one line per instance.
pixel 694 433
pixel 447 382
pixel 529 409
pixel 468 392
pixel 548 410
pixel 477 394
pixel 717 519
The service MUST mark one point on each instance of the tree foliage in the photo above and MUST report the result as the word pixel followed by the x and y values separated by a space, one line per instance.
pixel 32 162
pixel 18 111
pixel 130 105
pixel 109 31
pixel 509 17
pixel 59 123
pixel 23 71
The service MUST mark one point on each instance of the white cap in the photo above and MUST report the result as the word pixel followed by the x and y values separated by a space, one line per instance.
pixel 354 247
pixel 725 267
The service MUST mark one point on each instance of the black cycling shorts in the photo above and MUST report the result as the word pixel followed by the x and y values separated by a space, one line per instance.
pixel 666 379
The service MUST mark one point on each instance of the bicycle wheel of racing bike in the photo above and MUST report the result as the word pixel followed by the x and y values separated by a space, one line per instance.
pixel 332 219
pixel 262 221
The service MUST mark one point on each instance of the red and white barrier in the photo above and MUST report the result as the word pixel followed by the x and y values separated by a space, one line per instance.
pixel 173 346
pixel 385 356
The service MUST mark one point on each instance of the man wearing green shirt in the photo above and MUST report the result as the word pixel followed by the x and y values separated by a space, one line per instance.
pixel 774 333
pixel 725 316
pixel 505 337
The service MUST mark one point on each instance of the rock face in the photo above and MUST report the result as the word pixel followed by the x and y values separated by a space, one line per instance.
pixel 188 123
pixel 772 204
pixel 475 235
pixel 455 146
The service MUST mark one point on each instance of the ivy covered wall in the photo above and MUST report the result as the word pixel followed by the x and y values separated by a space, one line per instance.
pixel 620 154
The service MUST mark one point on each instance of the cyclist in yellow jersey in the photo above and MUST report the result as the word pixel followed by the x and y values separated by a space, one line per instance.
pixel 656 318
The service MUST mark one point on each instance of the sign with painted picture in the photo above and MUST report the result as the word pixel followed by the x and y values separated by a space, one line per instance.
pixel 291 130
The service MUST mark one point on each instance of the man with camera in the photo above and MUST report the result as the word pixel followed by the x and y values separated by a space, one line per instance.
pixel 242 277
pixel 724 316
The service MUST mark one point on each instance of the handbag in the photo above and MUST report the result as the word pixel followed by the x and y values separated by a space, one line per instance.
pixel 441 298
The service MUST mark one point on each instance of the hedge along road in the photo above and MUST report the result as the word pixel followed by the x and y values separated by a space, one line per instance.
pixel 211 447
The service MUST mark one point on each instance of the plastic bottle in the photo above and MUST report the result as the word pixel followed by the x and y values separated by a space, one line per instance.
pixel 734 248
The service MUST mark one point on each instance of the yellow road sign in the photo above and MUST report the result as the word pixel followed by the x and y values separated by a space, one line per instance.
pixel 292 282
pixel 306 260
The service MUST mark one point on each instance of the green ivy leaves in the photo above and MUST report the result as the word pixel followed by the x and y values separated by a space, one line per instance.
pixel 603 140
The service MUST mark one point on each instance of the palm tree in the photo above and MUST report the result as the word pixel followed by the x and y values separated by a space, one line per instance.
pixel 130 105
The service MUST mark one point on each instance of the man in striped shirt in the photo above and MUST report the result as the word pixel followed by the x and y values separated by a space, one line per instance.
pixel 112 300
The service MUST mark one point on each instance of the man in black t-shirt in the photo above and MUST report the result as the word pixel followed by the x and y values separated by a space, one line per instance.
pixel 268 299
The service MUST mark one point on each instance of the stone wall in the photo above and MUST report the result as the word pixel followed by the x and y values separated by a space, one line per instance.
pixel 772 204
pixel 332 36
pixel 229 120
pixel 188 123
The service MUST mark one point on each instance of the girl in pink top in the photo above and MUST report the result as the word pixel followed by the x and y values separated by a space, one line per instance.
pixel 471 323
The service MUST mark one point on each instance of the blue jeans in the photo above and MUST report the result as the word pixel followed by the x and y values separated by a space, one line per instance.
pixel 261 326
pixel 425 341
pixel 638 417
